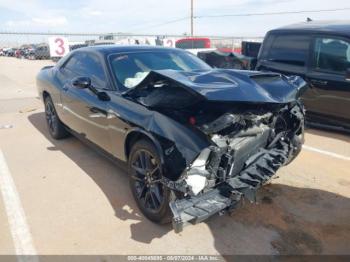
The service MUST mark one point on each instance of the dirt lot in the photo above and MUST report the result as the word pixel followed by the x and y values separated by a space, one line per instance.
pixel 77 202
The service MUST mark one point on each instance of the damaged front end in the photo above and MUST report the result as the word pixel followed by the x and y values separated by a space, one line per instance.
pixel 241 160
pixel 253 122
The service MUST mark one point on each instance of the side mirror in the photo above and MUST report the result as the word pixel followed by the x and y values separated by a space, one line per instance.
pixel 81 82
pixel 85 82
pixel 347 75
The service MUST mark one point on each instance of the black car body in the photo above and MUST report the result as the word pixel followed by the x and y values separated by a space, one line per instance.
pixel 320 53
pixel 199 138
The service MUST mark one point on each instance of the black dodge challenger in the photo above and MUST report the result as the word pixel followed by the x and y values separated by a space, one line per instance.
pixel 196 140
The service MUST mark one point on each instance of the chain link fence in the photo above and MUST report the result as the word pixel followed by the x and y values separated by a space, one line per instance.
pixel 55 45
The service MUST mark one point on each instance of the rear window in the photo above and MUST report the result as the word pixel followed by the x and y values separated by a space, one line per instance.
pixel 290 49
pixel 332 55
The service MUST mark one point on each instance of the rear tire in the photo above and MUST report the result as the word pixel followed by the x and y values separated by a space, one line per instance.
pixel 56 128
pixel 144 168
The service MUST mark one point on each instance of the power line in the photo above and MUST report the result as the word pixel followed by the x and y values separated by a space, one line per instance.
pixel 242 15
pixel 164 23
pixel 275 13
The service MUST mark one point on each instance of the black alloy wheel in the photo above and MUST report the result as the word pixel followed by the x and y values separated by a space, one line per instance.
pixel 145 171
pixel 56 128
pixel 51 117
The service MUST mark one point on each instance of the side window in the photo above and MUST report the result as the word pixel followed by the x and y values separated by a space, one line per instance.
pixel 290 49
pixel 72 63
pixel 82 64
pixel 332 55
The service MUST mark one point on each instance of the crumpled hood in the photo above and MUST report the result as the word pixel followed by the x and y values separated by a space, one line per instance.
pixel 232 85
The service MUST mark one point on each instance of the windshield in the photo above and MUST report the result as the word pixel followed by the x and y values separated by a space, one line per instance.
pixel 131 68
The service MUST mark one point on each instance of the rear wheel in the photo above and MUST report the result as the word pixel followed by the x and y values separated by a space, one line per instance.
pixel 145 172
pixel 56 128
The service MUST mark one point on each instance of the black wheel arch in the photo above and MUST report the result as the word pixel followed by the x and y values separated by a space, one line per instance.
pixel 136 134
pixel 45 94
pixel 172 161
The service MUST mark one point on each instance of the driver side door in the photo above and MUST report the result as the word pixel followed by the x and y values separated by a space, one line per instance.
pixel 83 111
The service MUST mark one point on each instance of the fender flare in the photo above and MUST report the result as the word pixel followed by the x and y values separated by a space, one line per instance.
pixel 149 136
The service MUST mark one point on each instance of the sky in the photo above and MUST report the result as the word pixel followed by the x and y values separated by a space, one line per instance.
pixel 151 16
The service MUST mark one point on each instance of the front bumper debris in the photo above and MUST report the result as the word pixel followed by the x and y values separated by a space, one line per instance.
pixel 258 170
pixel 198 208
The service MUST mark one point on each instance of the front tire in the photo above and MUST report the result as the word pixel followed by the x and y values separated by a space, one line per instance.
pixel 145 172
pixel 56 128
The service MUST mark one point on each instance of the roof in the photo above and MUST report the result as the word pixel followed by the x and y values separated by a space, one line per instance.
pixel 341 27
pixel 110 49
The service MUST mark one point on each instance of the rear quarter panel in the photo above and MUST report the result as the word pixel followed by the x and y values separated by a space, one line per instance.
pixel 47 82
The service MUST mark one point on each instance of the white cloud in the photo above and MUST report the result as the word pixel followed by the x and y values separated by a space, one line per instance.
pixel 87 12
pixel 95 13
pixel 50 22
pixel 150 16
pixel 38 21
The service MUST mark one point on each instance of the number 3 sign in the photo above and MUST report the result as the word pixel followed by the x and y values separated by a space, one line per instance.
pixel 58 46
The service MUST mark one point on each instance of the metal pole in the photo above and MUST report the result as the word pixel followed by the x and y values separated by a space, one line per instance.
pixel 191 17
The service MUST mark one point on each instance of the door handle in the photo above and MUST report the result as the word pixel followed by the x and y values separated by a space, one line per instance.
pixel 97 113
pixel 319 82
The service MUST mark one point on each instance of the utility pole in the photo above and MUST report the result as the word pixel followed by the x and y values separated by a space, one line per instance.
pixel 191 17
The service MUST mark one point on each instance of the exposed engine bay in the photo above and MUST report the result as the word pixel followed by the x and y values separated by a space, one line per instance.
pixel 248 141
pixel 247 151
pixel 237 138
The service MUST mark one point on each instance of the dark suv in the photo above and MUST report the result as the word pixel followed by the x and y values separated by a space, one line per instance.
pixel 320 53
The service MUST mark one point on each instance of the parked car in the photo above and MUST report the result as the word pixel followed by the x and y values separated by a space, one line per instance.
pixel 30 54
pixel 9 52
pixel 193 43
pixel 19 53
pixel 41 52
pixel 320 53
pixel 195 139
